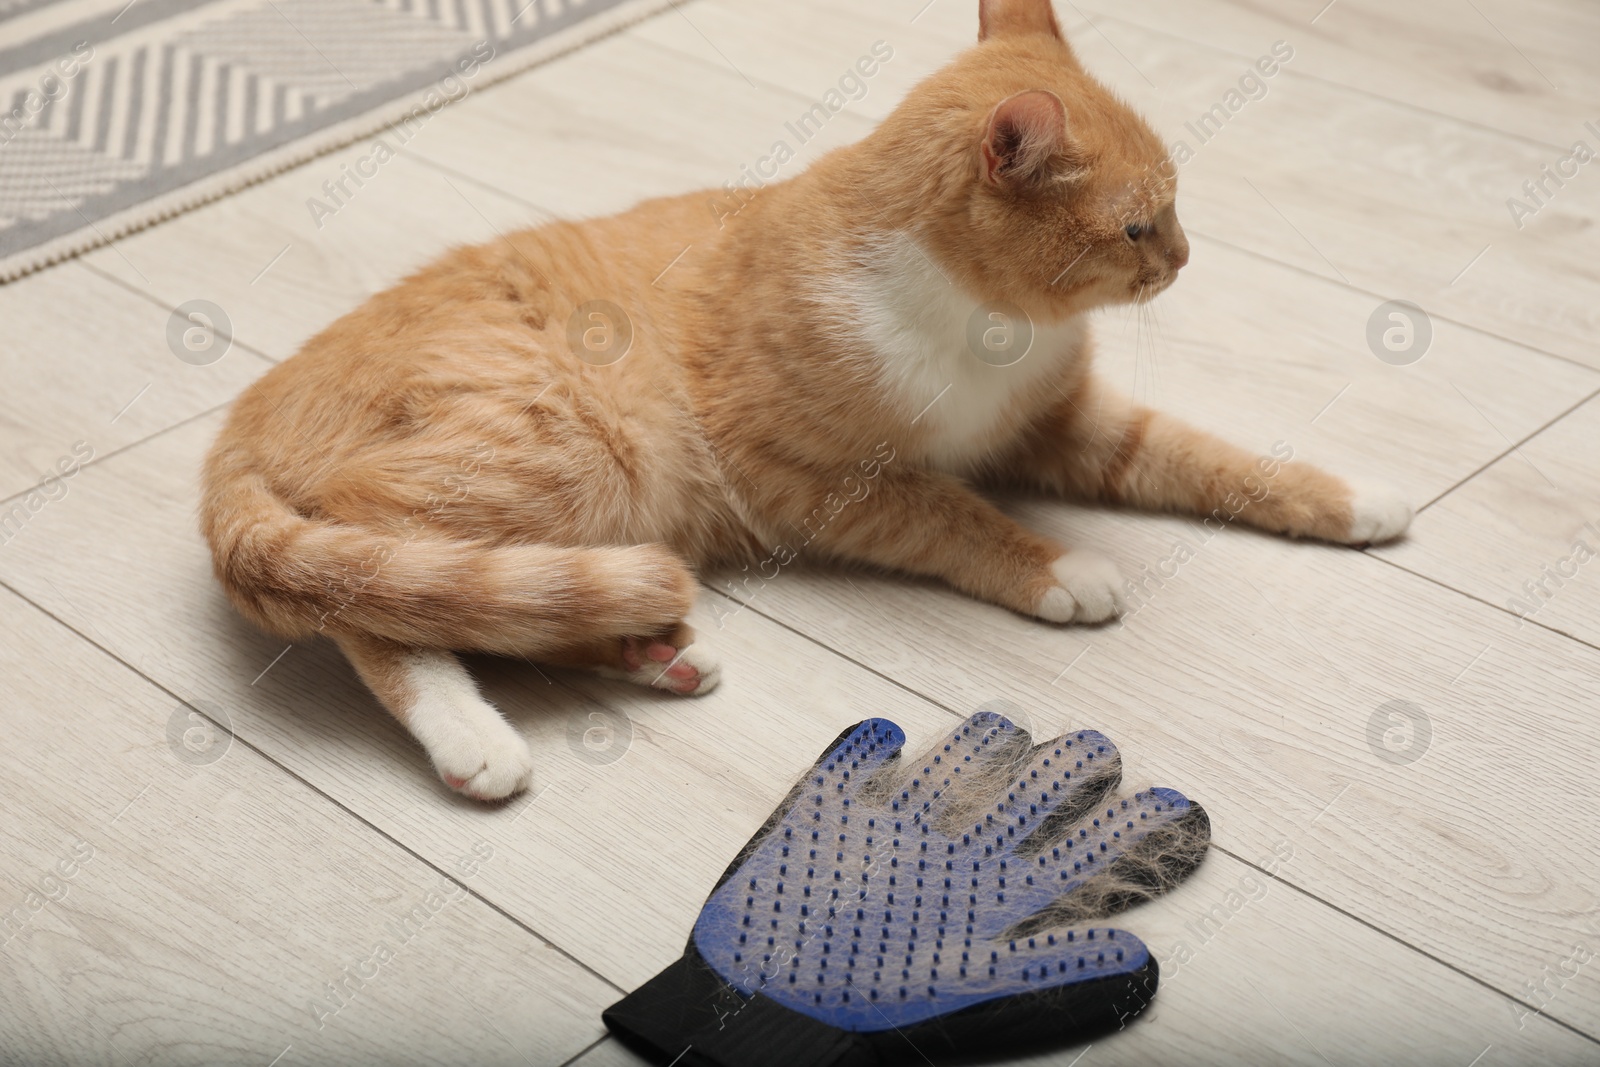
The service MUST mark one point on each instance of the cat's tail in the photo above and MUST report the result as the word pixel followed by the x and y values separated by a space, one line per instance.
pixel 297 576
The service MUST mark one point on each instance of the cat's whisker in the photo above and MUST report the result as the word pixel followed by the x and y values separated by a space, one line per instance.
pixel 1147 342
pixel 1158 340
pixel 1156 325
pixel 1138 337
pixel 1147 334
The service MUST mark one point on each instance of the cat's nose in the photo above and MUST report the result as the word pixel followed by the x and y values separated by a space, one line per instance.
pixel 1178 255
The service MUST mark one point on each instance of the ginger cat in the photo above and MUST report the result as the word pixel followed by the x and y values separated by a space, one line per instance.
pixel 463 464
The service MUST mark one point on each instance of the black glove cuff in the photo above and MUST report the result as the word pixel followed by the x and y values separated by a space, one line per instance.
pixel 688 1015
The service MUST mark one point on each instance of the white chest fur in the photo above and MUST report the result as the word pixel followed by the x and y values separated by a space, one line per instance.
pixel 917 331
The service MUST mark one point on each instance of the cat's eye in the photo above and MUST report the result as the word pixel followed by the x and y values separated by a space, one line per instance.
pixel 1135 231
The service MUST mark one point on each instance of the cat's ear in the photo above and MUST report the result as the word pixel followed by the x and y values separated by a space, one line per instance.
pixel 1025 134
pixel 1003 18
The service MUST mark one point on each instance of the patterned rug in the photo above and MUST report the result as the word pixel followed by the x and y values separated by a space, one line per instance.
pixel 117 114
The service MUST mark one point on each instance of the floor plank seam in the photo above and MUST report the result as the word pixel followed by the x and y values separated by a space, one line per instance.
pixel 1511 449
pixel 743 606
pixel 774 87
pixel 1343 87
pixel 1475 597
pixel 444 168
pixel 1356 89
pixel 99 459
pixel 1264 257
pixel 596 1043
pixel 422 157
pixel 360 819
pixel 1484 983
pixel 152 298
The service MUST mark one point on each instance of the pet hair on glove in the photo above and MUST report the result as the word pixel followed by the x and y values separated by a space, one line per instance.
pixel 885 914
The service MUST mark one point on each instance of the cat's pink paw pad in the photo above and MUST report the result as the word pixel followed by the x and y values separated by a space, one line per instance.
pixel 690 671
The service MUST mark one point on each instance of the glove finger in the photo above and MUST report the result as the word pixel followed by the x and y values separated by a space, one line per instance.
pixel 845 767
pixel 1129 851
pixel 952 783
pixel 1061 782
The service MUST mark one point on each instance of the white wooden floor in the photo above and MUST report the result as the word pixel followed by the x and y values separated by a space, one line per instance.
pixel 1439 901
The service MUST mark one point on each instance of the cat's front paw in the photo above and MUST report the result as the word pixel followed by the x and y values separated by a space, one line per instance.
pixel 1378 513
pixel 1086 587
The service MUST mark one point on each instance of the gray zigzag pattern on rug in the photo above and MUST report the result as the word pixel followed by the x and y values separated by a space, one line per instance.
pixel 186 89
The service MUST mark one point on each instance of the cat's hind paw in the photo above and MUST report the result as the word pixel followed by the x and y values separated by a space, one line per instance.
pixel 480 755
pixel 662 663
